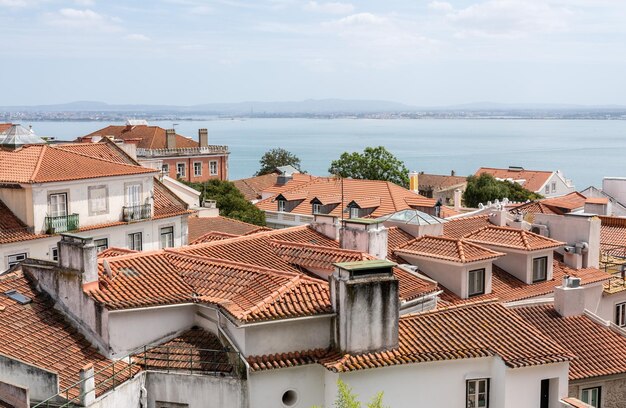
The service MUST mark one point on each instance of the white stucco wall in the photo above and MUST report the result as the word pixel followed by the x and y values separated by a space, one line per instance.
pixel 127 395
pixel 198 391
pixel 131 329
pixel 266 388
pixel 520 264
pixel 41 383
pixel 606 307
pixel 561 187
pixel 20 202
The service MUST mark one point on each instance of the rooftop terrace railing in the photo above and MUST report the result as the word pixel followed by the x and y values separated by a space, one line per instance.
pixel 61 223
pixel 183 151
pixel 136 212
pixel 169 359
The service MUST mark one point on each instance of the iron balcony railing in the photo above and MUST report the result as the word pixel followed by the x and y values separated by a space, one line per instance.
pixel 62 223
pixel 136 212
pixel 169 359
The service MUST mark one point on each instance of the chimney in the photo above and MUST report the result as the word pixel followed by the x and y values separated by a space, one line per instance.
pixel 364 296
pixel 499 217
pixel 364 235
pixel 80 254
pixel 327 225
pixel 414 182
pixel 170 138
pixel 569 298
pixel 573 257
pixel 453 173
pixel 457 199
pixel 203 137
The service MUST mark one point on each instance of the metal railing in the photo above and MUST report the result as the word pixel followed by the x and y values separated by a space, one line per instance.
pixel 169 359
pixel 61 223
pixel 136 212
pixel 183 151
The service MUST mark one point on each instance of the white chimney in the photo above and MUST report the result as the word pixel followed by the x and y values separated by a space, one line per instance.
pixel 569 298
pixel 457 200
pixel 326 225
pixel 79 254
pixel 364 235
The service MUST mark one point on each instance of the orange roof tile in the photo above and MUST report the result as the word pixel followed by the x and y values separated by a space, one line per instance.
pixel 252 187
pixel 599 350
pixel 12 229
pixel 459 227
pixel 534 180
pixel 5 126
pixel 212 236
pixel 101 150
pixel 439 336
pixel 597 200
pixel 388 197
pixel 115 251
pixel 327 199
pixel 447 249
pixel 297 180
pixel 438 182
pixel 38 334
pixel 43 163
pixel 514 238
pixel 151 137
pixel 166 203
pixel 612 232
pixel 507 288
pixel 536 207
pixel 567 202
pixel 395 238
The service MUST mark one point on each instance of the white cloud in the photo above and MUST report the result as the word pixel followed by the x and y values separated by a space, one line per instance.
pixel 83 19
pixel 18 3
pixel 137 37
pixel 362 19
pixel 85 3
pixel 440 6
pixel 329 7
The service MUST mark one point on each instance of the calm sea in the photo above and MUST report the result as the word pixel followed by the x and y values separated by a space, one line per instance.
pixel 585 150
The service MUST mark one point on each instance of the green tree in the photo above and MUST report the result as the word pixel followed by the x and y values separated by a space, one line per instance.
pixel 275 158
pixel 230 201
pixel 375 163
pixel 347 399
pixel 486 188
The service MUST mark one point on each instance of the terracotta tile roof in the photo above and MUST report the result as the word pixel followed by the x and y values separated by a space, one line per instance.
pixel 212 236
pixel 166 203
pixel 514 238
pixel 252 187
pixel 575 403
pixel 396 237
pixel 534 179
pixel 115 251
pixel 597 200
pixel 438 182
pixel 567 202
pixel 392 198
pixel 285 360
pixel 599 350
pixel 193 350
pixel 38 334
pixel 5 126
pixel 536 207
pixel 612 231
pixel 366 202
pixel 151 137
pixel 44 163
pixel 447 249
pixel 327 199
pixel 12 229
pixel 297 180
pixel 101 150
pixel 471 331
pixel 507 288
pixel 459 227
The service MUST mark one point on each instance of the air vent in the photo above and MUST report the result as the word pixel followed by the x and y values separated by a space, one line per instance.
pixel 18 297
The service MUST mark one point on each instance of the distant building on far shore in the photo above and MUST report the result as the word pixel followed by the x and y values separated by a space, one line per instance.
pixel 177 156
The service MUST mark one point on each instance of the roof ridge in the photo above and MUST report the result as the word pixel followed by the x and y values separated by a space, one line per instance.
pixel 525 239
pixel 241 237
pixel 39 161
pixel 313 246
pixel 274 295
pixel 459 246
pixel 103 159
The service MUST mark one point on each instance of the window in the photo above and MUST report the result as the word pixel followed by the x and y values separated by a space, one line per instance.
pixel 98 200
pixel 281 205
pixel 135 241
pixel 14 259
pixel 101 244
pixel 591 396
pixel 133 195
pixel 354 212
pixel 213 168
pixel 547 189
pixel 197 169
pixel 554 186
pixel 477 393
pixel 57 205
pixel 180 169
pixel 54 253
pixel 620 314
pixel 167 237
pixel 540 269
pixel 476 282
pixel 317 208
pixel 165 169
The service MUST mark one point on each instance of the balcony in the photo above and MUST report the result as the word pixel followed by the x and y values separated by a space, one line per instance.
pixel 136 212
pixel 61 223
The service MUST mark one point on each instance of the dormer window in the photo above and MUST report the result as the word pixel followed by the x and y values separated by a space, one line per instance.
pixel 281 205
pixel 540 269
pixel 317 209
pixel 476 282
pixel 354 212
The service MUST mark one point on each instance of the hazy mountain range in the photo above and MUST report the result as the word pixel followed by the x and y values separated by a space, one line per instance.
pixel 309 106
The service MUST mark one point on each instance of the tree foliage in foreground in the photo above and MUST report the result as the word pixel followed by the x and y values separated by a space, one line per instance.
pixel 275 158
pixel 230 201
pixel 347 399
pixel 375 163
pixel 486 188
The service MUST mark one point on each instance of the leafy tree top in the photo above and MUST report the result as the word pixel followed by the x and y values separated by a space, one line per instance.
pixel 275 158
pixel 485 187
pixel 375 163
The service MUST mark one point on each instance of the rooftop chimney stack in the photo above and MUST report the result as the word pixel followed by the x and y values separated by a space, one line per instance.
pixel 364 296
pixel 414 182
pixel 364 235
pixel 569 298
pixel 170 138
pixel 203 137
pixel 327 225
pixel 79 254
pixel 457 200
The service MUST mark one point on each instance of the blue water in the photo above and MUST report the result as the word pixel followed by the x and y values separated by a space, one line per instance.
pixel 585 150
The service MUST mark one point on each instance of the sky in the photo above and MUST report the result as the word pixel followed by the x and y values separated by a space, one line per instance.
pixel 422 53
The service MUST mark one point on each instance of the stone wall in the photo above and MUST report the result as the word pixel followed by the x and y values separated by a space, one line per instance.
pixel 612 395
